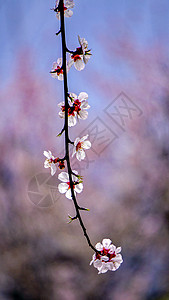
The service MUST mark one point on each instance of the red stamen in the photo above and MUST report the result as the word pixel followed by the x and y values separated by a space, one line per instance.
pixel 77 105
pixel 78 51
pixel 69 185
pixel 112 255
pixel 75 57
pixel 78 146
pixel 105 252
pixel 71 111
pixel 61 165
pixel 98 256
pixel 58 70
pixel 63 108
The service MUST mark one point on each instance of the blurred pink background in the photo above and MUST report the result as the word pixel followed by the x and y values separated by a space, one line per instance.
pixel 126 184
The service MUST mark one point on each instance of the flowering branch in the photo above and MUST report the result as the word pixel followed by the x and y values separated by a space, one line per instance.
pixel 67 140
pixel 106 255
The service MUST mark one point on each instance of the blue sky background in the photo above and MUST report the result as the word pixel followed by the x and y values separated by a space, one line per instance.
pixel 32 24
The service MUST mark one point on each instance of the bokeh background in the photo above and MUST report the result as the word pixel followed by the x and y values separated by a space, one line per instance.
pixel 126 184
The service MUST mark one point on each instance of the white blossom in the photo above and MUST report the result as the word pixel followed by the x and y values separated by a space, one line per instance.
pixel 109 257
pixel 67 5
pixel 57 70
pixel 80 56
pixel 77 107
pixel 80 104
pixel 79 146
pixel 64 187
pixel 50 162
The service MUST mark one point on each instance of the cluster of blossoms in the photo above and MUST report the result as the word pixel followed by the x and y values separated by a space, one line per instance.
pixel 107 256
pixel 77 107
pixel 80 56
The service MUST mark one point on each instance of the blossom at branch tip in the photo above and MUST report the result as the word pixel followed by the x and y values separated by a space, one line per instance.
pixel 64 187
pixel 79 146
pixel 80 56
pixel 77 107
pixel 57 70
pixel 50 162
pixel 109 257
pixel 66 5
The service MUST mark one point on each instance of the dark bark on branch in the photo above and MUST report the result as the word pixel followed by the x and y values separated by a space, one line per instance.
pixel 67 140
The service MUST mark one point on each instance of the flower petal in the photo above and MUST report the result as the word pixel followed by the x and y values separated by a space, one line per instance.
pixel 69 194
pixel 63 187
pixel 104 258
pixel 83 114
pixel 83 96
pixel 69 4
pixel 54 75
pixel 118 250
pixel 112 249
pixel 84 138
pixel 59 62
pixel 53 169
pixel 63 176
pixel 79 188
pixel 62 114
pixel 61 104
pixel 47 154
pixel 79 64
pixel 86 145
pixel 71 121
pixel 70 63
pixel 46 164
pixel 55 65
pixel 77 141
pixel 104 268
pixel 115 266
pixel 60 77
pixel 85 105
pixel 119 258
pixel 73 96
pixel 106 243
pixel 97 263
pixel 99 247
pixel 86 58
pixel 80 154
pixel 68 13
